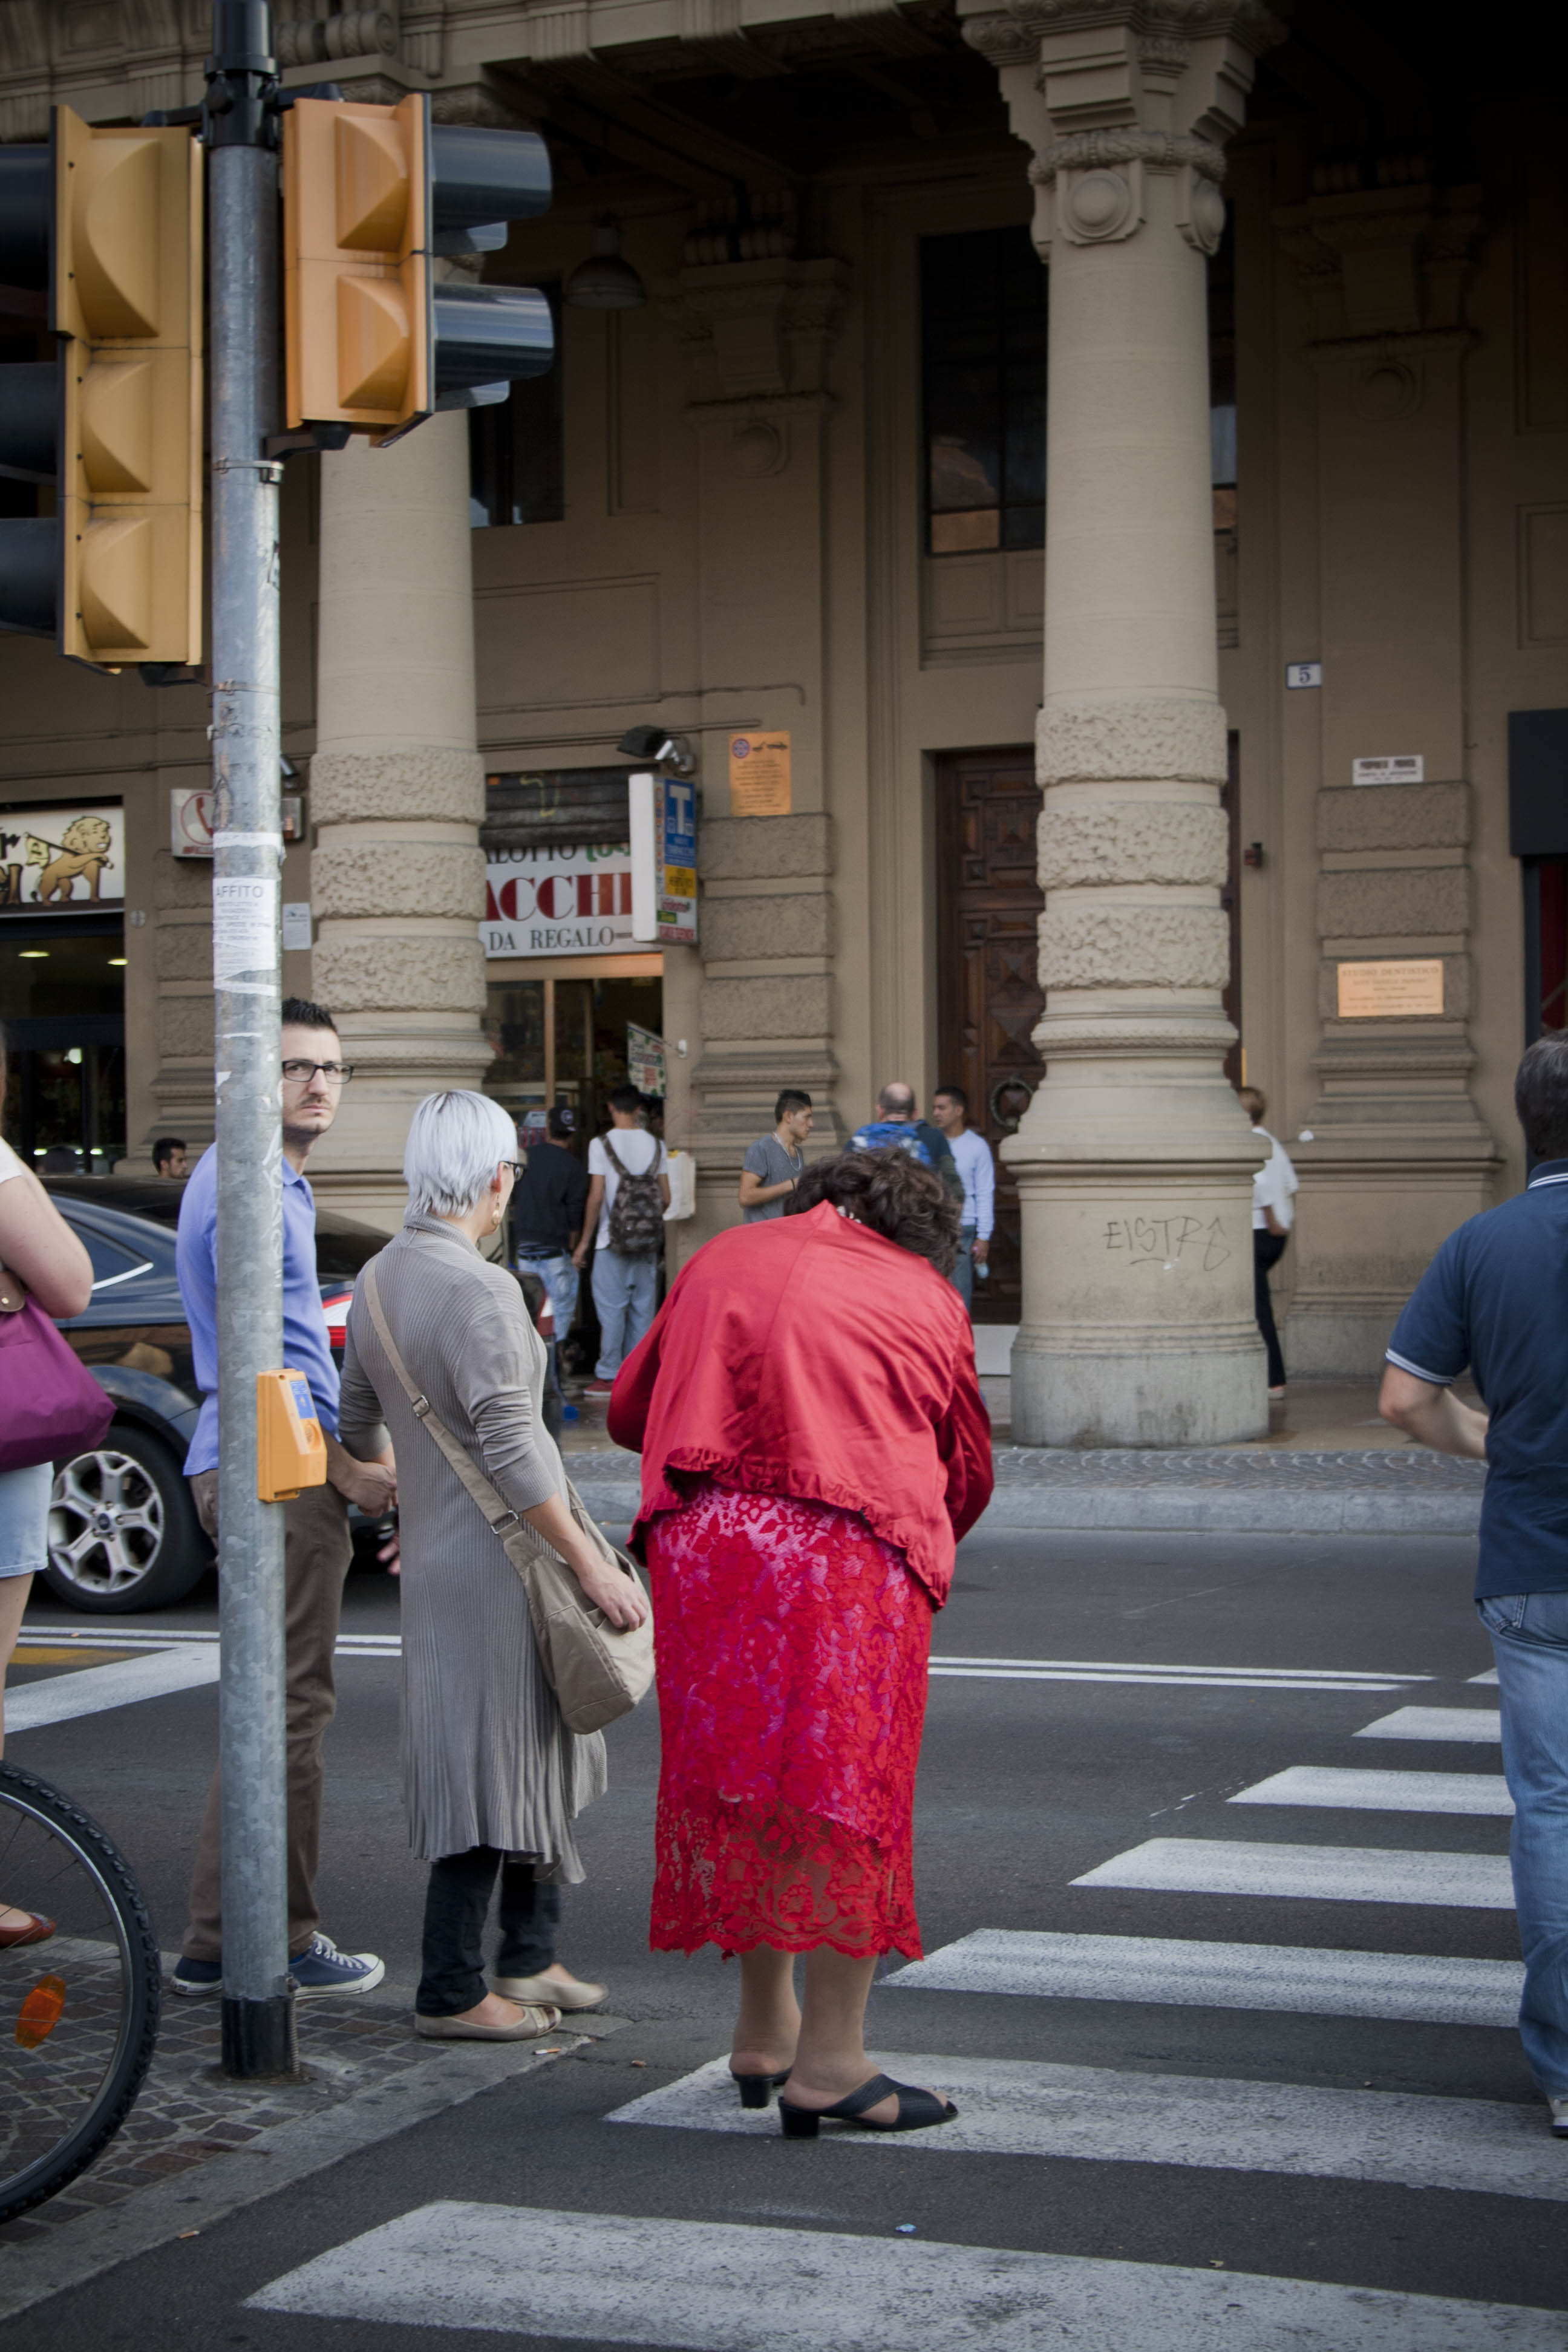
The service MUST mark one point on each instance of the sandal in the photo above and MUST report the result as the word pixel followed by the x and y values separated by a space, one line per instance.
pixel 918 2110
pixel 757 2090
pixel 535 2018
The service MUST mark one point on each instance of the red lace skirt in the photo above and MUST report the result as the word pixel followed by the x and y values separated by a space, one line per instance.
pixel 793 1648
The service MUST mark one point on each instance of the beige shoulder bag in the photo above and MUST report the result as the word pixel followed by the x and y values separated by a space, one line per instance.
pixel 597 1671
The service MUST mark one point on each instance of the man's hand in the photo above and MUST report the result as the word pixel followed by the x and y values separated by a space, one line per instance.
pixel 980 1252
pixel 580 1257
pixel 1432 1415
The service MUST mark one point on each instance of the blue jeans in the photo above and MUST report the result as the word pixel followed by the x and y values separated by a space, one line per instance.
pixel 963 1275
pixel 625 1289
pixel 560 1278
pixel 1529 1643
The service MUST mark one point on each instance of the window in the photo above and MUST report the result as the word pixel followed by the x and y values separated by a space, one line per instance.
pixel 516 472
pixel 984 298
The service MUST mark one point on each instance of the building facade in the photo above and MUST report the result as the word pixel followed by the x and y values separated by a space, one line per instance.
pixel 1103 463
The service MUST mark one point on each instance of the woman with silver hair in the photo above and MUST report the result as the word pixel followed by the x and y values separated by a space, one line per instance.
pixel 492 1778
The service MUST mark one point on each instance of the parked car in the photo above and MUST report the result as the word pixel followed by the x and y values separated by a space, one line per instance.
pixel 123 1532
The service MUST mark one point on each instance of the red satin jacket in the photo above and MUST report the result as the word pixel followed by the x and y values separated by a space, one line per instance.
pixel 807 1356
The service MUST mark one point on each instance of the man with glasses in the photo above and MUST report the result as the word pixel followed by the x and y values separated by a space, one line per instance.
pixel 316 1545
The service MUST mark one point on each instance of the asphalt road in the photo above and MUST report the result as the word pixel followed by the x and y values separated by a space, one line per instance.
pixel 1220 2169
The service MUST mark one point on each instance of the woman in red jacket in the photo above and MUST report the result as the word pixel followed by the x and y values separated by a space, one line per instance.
pixel 814 1445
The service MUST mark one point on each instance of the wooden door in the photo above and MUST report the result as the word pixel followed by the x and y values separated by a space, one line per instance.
pixel 989 994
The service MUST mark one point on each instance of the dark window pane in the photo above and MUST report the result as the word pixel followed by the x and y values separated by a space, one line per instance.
pixel 516 457
pixel 1025 527
pixel 983 324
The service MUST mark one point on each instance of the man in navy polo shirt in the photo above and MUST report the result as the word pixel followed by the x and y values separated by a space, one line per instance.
pixel 1495 1297
pixel 316 1546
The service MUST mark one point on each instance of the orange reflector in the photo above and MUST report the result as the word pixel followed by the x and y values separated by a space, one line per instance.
pixel 41 2011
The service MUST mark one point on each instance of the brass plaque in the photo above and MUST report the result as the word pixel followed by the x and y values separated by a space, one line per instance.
pixel 1410 984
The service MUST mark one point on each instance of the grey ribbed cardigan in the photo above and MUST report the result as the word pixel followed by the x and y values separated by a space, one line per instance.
pixel 487 1760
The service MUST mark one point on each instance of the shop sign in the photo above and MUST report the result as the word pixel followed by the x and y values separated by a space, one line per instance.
pixel 676 821
pixel 573 900
pixel 760 774
pixel 645 1060
pixel 1400 987
pixel 60 857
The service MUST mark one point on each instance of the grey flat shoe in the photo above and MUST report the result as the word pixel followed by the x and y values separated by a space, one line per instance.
pixel 1557 2106
pixel 537 2018
pixel 559 1993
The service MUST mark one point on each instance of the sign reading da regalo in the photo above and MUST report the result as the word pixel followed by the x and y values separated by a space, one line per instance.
pixel 567 900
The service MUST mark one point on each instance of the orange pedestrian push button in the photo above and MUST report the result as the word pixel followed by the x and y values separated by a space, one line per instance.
pixel 290 1451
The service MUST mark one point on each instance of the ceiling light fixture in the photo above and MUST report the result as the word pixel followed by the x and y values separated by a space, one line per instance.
pixel 606 282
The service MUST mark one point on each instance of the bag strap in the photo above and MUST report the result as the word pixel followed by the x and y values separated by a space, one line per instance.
pixel 620 1167
pixel 502 1519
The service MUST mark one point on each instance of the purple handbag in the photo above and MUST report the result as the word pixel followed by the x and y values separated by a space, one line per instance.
pixel 50 1405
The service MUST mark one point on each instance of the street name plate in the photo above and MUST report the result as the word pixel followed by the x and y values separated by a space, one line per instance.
pixel 1368 991
pixel 1401 768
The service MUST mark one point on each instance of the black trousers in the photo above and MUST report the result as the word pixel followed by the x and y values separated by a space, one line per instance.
pixel 455 1903
pixel 1268 1249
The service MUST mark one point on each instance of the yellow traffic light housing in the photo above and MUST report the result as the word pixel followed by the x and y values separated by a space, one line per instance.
pixel 128 292
pixel 357 265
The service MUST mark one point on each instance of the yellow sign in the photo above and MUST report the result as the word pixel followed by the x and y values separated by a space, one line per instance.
pixel 759 775
pixel 1372 991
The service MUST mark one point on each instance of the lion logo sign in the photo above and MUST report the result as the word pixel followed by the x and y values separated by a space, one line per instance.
pixel 84 850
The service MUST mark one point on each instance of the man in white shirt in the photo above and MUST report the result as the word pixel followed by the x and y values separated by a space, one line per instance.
pixel 1273 1213
pixel 971 1153
pixel 626 1279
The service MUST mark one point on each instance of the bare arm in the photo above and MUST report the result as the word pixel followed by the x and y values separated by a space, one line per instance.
pixel 38 1247
pixel 1432 1415
pixel 664 1189
pixel 753 1191
pixel 590 1222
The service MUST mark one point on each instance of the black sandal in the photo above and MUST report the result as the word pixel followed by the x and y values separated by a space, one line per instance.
pixel 918 2110
pixel 757 2090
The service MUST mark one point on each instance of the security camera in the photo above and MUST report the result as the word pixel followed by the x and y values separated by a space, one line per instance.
pixel 657 745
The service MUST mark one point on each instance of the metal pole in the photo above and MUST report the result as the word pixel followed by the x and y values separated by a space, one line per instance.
pixel 257 2000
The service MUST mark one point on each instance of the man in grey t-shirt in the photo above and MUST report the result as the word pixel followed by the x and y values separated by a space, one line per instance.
pixel 769 1171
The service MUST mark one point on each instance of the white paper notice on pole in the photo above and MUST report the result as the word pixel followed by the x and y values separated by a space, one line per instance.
pixel 245 933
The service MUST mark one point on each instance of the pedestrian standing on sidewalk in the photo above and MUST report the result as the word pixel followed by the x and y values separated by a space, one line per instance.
pixel 972 1156
pixel 628 1192
pixel 897 1124
pixel 772 1166
pixel 1274 1190
pixel 492 1780
pixel 40 1255
pixel 547 1213
pixel 316 1543
pixel 1495 1298
pixel 814 1446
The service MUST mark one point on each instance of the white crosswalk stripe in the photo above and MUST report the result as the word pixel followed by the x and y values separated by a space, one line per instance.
pixel 1105 1669
pixel 1436 1723
pixel 1189 1974
pixel 91 1690
pixel 714 2287
pixel 1381 1793
pixel 1321 1874
pixel 1010 2106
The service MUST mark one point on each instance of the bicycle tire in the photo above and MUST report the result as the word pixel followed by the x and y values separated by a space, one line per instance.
pixel 24 1793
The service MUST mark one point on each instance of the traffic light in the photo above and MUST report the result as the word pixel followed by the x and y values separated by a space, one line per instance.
pixel 100 240
pixel 372 195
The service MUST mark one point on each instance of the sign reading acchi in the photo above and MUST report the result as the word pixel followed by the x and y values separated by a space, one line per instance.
pixel 575 900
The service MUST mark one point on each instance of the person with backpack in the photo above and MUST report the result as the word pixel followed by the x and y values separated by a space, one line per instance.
pixel 628 1192
pixel 897 1126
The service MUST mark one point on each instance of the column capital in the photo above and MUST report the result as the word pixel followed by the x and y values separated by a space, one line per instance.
pixel 1106 91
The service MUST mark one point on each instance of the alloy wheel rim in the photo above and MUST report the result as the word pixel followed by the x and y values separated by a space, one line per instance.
pixel 106 1521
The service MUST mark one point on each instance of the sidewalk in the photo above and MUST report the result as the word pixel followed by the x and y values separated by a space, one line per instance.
pixel 1328 1466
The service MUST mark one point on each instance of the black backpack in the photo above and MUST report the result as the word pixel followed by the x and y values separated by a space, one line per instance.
pixel 637 1212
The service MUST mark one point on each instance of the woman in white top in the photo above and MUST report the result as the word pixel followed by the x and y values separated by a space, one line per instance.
pixel 1273 1214
pixel 37 1248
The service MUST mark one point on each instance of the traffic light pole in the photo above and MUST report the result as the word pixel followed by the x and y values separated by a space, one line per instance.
pixel 258 2001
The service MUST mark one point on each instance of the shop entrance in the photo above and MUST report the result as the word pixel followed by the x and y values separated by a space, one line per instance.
pixel 989 996
pixel 62 1002
pixel 561 1034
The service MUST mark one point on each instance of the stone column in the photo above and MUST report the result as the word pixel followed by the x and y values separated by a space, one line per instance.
pixel 397 794
pixel 1135 1160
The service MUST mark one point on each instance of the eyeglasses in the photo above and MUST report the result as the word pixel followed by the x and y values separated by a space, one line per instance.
pixel 516 1167
pixel 336 1074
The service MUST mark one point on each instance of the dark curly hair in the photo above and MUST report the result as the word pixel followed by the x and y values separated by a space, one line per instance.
pixel 891 1193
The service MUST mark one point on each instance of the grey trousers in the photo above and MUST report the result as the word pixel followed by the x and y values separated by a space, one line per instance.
pixel 316 1554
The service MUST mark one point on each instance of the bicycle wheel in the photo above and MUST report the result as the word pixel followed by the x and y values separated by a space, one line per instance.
pixel 78 2013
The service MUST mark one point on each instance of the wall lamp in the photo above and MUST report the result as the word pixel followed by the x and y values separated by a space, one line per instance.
pixel 657 745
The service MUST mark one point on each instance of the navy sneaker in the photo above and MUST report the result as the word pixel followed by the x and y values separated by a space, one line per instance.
pixel 322 1968
pixel 197 1976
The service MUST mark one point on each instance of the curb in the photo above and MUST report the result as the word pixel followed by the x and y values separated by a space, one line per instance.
pixel 1261 1511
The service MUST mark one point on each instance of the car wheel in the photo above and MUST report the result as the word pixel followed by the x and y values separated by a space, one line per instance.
pixel 124 1531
